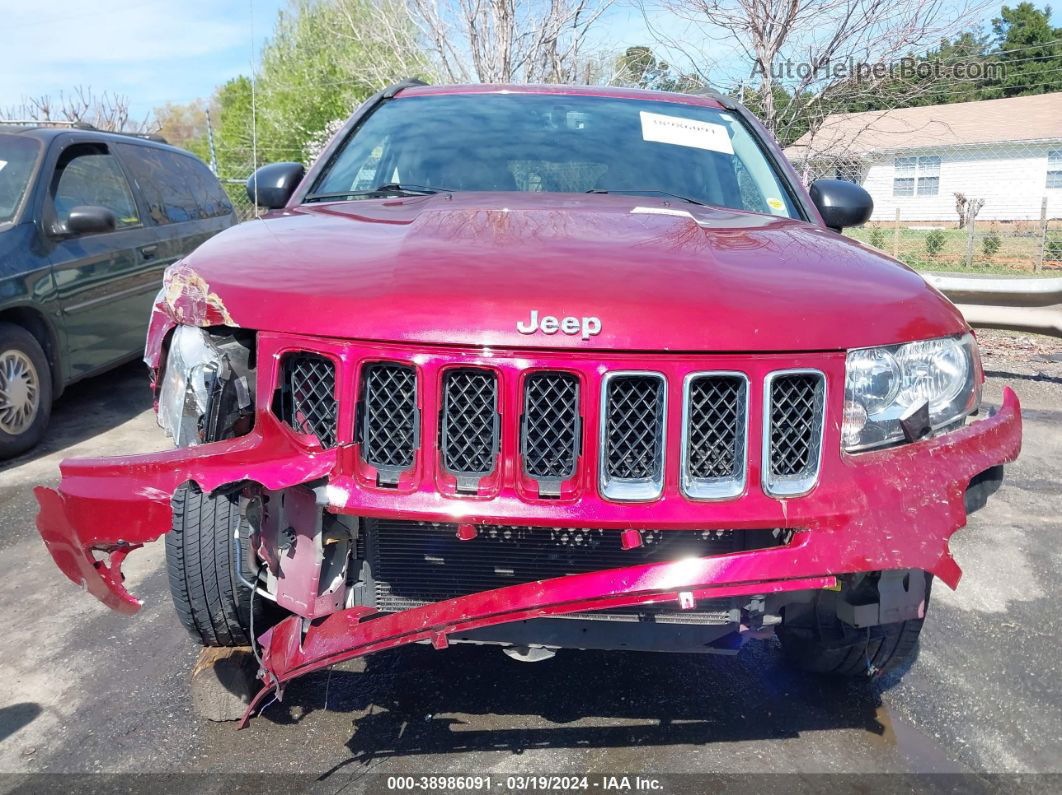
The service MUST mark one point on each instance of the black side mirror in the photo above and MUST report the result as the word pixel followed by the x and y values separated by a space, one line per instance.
pixel 89 219
pixel 271 186
pixel 841 203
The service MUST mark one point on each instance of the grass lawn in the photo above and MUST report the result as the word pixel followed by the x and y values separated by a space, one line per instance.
pixel 1015 255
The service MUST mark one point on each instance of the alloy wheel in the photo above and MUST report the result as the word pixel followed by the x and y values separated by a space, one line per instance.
pixel 20 392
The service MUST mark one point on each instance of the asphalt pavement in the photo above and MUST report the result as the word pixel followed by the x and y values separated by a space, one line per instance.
pixel 85 690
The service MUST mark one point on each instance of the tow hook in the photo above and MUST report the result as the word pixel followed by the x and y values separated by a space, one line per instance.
pixel 529 654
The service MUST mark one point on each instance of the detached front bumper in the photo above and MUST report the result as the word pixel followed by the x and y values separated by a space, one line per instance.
pixel 893 509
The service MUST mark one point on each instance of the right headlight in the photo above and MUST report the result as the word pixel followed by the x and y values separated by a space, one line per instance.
pixel 896 393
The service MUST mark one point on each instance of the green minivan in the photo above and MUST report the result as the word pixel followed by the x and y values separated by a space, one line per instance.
pixel 88 222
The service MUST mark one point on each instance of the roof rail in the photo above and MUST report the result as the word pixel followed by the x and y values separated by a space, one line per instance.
pixel 81 125
pixel 37 123
pixel 392 90
pixel 159 139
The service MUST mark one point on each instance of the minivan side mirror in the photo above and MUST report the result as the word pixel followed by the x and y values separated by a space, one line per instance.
pixel 841 203
pixel 271 186
pixel 89 219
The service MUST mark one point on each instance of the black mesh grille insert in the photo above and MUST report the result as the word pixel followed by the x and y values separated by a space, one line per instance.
pixel 414 563
pixel 389 416
pixel 796 424
pixel 470 421
pixel 715 442
pixel 308 398
pixel 550 432
pixel 634 417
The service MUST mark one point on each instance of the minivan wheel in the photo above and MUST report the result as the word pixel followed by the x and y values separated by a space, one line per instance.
pixel 25 390
pixel 814 639
pixel 211 600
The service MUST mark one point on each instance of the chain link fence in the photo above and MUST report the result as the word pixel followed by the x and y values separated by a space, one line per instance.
pixel 237 193
pixel 969 186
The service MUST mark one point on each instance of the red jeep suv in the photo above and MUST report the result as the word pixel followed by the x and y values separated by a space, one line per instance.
pixel 547 367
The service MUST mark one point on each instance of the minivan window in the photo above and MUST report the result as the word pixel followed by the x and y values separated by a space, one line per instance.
pixel 176 187
pixel 18 158
pixel 559 143
pixel 95 178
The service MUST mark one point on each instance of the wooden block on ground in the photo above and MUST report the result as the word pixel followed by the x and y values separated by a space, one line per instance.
pixel 223 682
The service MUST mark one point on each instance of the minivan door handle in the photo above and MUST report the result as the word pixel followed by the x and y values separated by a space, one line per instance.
pixel 149 252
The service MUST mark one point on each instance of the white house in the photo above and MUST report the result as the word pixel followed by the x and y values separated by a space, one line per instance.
pixel 1007 152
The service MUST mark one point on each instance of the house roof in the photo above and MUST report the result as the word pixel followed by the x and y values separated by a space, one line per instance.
pixel 987 121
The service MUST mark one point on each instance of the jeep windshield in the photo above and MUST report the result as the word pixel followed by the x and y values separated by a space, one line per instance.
pixel 554 143
pixel 18 156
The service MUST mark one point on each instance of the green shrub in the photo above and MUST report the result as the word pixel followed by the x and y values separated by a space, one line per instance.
pixel 877 237
pixel 992 243
pixel 1053 250
pixel 934 242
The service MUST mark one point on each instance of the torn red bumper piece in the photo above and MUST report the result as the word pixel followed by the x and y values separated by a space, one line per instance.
pixel 354 632
pixel 110 506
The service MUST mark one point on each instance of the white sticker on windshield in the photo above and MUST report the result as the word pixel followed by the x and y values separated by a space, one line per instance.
pixel 686 132
pixel 2 164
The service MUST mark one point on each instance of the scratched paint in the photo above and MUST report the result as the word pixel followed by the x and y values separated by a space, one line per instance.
pixel 190 300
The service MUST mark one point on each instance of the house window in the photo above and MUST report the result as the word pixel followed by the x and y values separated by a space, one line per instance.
pixel 928 176
pixel 1054 168
pixel 903 181
pixel 916 176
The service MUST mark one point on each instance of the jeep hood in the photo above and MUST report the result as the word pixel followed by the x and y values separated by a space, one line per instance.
pixel 465 269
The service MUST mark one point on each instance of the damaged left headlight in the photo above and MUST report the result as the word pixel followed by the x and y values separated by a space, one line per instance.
pixel 206 392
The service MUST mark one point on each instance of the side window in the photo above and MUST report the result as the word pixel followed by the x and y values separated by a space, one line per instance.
pixel 209 193
pixel 91 176
pixel 176 187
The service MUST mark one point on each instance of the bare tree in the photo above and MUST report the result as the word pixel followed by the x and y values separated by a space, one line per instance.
pixel 489 41
pixel 813 52
pixel 106 111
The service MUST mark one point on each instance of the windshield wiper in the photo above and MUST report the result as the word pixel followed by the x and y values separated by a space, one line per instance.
pixel 650 192
pixel 387 189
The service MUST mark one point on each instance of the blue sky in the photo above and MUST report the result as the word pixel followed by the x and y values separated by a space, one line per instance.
pixel 153 51
pixel 157 51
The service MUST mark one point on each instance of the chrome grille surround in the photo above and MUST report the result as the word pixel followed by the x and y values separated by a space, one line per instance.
pixel 794 408
pixel 722 429
pixel 551 429
pixel 637 419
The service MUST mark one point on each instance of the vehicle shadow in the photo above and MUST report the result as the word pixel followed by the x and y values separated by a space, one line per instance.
pixel 91 407
pixel 16 716
pixel 415 701
pixel 1050 379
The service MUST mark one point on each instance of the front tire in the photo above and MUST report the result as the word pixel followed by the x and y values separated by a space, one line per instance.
pixel 817 641
pixel 25 391
pixel 212 603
